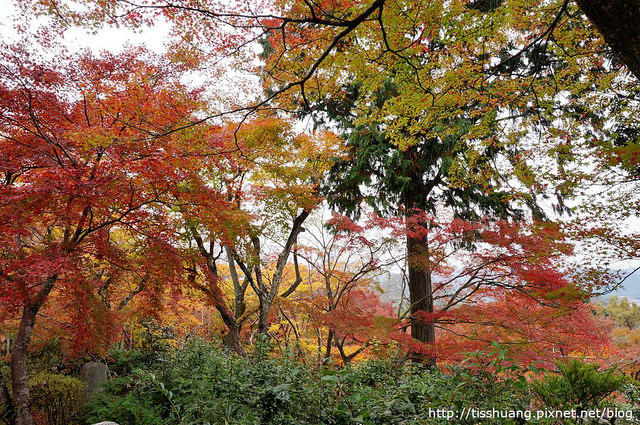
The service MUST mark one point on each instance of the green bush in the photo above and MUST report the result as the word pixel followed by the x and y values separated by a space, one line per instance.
pixel 202 384
pixel 127 400
pixel 577 385
pixel 583 387
pixel 56 399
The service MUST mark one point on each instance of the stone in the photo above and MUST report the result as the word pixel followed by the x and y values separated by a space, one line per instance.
pixel 106 423
pixel 94 374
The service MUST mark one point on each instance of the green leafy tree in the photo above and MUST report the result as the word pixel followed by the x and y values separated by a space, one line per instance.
pixel 578 385
pixel 405 181
pixel 622 311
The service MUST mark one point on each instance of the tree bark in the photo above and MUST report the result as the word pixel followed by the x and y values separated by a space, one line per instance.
pixel 21 404
pixel 232 340
pixel 20 387
pixel 267 295
pixel 420 295
pixel 327 353
pixel 214 293
pixel 263 315
pixel 617 21
pixel 420 287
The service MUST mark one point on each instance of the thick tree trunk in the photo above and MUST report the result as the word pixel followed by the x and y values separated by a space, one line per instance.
pixel 20 387
pixel 19 383
pixel 263 317
pixel 617 21
pixel 232 339
pixel 420 288
pixel 420 294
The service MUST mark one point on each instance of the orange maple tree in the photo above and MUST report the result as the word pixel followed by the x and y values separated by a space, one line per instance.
pixel 87 150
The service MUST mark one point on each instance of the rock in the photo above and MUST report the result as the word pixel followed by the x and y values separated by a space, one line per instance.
pixel 106 423
pixel 94 374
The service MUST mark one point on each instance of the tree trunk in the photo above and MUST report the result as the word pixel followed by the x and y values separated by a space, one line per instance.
pixel 340 346
pixel 617 21
pixel 420 294
pixel 21 405
pixel 267 295
pixel 232 339
pixel 420 288
pixel 265 309
pixel 327 353
pixel 20 387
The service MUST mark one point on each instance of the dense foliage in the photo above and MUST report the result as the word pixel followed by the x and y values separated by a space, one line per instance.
pixel 199 384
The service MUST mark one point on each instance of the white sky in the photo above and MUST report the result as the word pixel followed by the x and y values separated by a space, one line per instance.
pixel 113 40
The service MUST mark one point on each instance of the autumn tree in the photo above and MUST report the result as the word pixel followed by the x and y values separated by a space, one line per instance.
pixel 621 318
pixel 505 282
pixel 282 174
pixel 82 157
pixel 420 142
pixel 343 258
pixel 237 243
pixel 270 188
pixel 408 181
pixel 484 106
pixel 622 311
pixel 233 312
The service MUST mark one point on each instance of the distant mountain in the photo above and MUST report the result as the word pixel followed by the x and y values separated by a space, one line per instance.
pixel 630 287
pixel 391 287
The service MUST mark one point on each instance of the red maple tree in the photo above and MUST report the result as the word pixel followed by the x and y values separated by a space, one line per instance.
pixel 89 154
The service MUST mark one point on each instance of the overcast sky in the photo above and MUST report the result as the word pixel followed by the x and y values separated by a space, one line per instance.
pixel 112 40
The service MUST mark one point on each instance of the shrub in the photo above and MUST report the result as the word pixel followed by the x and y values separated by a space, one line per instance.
pixel 56 399
pixel 202 384
pixel 577 385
